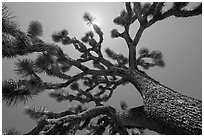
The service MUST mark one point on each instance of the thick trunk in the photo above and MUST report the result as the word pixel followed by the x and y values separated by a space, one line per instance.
pixel 165 110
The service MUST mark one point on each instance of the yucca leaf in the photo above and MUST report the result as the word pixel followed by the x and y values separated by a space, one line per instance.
pixel 119 21
pixel 25 67
pixel 66 41
pixel 88 17
pixel 90 34
pixel 57 96
pixel 160 63
pixel 74 86
pixel 35 29
pixel 111 54
pixel 43 61
pixel 57 37
pixel 92 42
pixel 64 33
pixel 15 92
pixel 8 25
pixel 143 51
pixel 85 39
pixel 157 55
pixel 114 33
pixel 36 113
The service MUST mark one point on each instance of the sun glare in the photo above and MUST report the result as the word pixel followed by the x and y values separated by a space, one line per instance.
pixel 97 20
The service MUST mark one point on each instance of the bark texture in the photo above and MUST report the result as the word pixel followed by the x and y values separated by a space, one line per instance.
pixel 165 110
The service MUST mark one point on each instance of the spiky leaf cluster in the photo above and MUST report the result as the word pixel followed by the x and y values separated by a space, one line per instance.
pixel 43 61
pixel 88 38
pixel 77 109
pixel 60 96
pixel 66 96
pixel 61 36
pixel 98 128
pixel 52 65
pixel 15 92
pixel 88 17
pixel 89 35
pixel 9 26
pixel 35 29
pixel 121 59
pixel 121 20
pixel 36 113
pixel 74 86
pixel 92 42
pixel 25 67
pixel 115 33
pixel 156 56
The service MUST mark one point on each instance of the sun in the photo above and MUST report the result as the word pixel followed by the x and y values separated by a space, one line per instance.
pixel 96 20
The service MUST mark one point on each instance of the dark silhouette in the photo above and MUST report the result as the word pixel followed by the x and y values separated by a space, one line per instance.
pixel 164 111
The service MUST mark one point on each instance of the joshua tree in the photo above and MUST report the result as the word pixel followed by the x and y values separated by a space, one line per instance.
pixel 164 111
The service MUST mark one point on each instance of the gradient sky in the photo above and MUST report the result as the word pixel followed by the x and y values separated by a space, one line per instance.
pixel 179 39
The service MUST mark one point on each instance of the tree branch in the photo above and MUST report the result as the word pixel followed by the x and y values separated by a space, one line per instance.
pixel 94 112
pixel 177 12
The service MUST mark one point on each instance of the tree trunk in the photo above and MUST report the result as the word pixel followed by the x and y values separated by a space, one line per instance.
pixel 165 110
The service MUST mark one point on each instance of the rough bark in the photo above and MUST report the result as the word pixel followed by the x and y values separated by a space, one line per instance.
pixel 165 110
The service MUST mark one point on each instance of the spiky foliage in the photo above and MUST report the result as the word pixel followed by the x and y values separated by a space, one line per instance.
pixel 74 86
pixel 16 42
pixel 121 60
pixel 143 51
pixel 9 27
pixel 35 29
pixel 115 33
pixel 121 19
pixel 10 32
pixel 155 56
pixel 36 113
pixel 90 34
pixel 43 61
pixel 15 92
pixel 61 36
pixel 25 67
pixel 88 18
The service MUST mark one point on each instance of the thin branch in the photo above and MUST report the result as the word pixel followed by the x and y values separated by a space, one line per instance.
pixel 177 13
pixel 63 85
pixel 94 112
pixel 138 35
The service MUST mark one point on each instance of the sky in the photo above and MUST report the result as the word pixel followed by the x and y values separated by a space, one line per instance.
pixel 179 39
